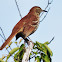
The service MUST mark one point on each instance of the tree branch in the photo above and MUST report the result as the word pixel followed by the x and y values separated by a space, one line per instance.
pixel 28 51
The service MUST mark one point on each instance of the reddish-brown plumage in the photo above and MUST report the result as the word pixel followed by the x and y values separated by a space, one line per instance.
pixel 26 26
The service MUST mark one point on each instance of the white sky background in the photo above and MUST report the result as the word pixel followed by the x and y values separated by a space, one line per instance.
pixel 51 26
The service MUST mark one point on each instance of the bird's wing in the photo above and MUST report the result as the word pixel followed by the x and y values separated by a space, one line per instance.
pixel 24 23
pixel 19 26
pixel 29 26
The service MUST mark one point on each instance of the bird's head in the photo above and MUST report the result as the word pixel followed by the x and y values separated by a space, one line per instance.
pixel 36 10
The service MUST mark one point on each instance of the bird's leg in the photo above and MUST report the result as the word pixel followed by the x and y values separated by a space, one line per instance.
pixel 26 41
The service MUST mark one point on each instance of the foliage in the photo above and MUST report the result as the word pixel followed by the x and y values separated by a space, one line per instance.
pixel 41 52
pixel 19 55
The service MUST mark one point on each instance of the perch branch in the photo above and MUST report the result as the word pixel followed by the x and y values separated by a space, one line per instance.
pixel 28 51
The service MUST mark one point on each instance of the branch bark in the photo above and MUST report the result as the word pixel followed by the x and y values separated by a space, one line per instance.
pixel 28 51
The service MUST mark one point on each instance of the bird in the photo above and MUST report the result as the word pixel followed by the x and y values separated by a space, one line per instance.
pixel 26 26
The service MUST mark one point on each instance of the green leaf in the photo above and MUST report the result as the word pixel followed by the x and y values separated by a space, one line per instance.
pixel 37 59
pixel 11 52
pixel 19 55
pixel 9 43
pixel 21 48
pixel 15 42
pixel 39 44
pixel 35 53
pixel 41 47
pixel 1 60
pixel 16 57
pixel 46 43
pixel 20 41
pixel 30 54
pixel 49 50
pixel 45 57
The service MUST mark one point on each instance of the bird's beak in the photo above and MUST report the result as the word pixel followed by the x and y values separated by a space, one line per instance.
pixel 44 11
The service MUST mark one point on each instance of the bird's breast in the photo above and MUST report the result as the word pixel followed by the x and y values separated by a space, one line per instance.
pixel 35 24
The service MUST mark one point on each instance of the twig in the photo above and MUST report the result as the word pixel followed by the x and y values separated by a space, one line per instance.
pixel 45 9
pixel 2 36
pixel 2 33
pixel 18 9
pixel 51 40
pixel 45 15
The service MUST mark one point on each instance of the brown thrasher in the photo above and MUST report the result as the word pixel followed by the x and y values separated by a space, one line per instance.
pixel 26 26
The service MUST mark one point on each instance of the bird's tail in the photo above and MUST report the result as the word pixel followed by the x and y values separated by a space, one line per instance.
pixel 7 41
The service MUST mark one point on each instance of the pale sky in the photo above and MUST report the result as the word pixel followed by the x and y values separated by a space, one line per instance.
pixel 50 27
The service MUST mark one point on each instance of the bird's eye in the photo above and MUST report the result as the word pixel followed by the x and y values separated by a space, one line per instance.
pixel 38 10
